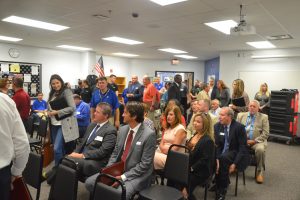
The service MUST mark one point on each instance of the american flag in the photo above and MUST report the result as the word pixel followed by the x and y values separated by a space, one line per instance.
pixel 99 67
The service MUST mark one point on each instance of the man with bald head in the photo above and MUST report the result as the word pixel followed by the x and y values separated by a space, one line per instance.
pixel 135 90
pixel 257 129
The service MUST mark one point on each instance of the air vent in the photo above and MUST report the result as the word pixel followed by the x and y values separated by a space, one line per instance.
pixel 280 37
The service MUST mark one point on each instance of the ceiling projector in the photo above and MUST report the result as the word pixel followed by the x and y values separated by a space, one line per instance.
pixel 243 28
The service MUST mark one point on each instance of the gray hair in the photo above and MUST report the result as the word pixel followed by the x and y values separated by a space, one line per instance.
pixel 255 101
pixel 230 112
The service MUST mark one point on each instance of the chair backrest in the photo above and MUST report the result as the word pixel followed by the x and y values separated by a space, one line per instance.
pixel 177 165
pixel 65 184
pixel 103 191
pixel 30 126
pixel 33 170
pixel 42 129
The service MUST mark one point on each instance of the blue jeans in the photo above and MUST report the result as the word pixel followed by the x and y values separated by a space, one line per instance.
pixel 57 139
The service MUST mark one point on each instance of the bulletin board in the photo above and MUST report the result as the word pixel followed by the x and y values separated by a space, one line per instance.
pixel 30 72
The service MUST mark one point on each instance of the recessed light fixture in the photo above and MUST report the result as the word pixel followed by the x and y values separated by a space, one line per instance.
pixel 222 26
pixel 171 50
pixel 186 56
pixel 125 54
pixel 122 40
pixel 166 2
pixel 261 44
pixel 11 39
pixel 34 23
pixel 74 47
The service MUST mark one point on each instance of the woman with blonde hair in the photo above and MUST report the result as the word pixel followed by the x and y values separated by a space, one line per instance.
pixel 238 92
pixel 263 97
pixel 175 133
pixel 202 151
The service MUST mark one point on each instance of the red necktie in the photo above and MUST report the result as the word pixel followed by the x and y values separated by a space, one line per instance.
pixel 128 145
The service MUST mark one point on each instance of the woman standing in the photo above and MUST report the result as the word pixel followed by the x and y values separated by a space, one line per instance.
pixel 63 126
pixel 202 150
pixel 174 134
pixel 223 94
pixel 238 92
pixel 263 97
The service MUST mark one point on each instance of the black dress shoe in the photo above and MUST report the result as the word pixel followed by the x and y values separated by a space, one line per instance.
pixel 221 193
pixel 220 197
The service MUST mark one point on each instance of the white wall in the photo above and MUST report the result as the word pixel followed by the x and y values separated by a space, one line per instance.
pixel 234 63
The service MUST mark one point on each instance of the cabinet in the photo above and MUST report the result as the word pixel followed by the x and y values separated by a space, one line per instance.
pixel 121 82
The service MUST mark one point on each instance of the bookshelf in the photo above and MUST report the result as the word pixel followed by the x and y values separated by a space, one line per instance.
pixel 121 82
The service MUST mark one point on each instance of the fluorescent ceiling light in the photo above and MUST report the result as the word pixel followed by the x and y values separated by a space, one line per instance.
pixel 170 50
pixel 34 23
pixel 12 39
pixel 222 26
pixel 261 44
pixel 186 56
pixel 125 54
pixel 74 47
pixel 274 56
pixel 122 40
pixel 166 2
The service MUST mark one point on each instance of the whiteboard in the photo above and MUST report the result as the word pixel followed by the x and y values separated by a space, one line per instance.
pixel 276 80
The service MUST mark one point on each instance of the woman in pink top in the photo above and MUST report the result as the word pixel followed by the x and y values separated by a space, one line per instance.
pixel 174 134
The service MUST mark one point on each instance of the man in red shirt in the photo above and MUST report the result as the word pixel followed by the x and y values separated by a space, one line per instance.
pixel 22 100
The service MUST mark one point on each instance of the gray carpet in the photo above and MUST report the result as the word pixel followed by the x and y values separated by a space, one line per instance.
pixel 282 179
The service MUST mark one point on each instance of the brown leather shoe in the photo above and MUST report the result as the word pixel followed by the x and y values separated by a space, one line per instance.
pixel 259 178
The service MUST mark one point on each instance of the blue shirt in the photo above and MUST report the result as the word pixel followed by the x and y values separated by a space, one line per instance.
pixel 124 95
pixel 39 105
pixel 83 114
pixel 158 86
pixel 109 97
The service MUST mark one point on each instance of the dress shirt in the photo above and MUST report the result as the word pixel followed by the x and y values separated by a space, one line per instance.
pixel 100 125
pixel 135 129
pixel 14 145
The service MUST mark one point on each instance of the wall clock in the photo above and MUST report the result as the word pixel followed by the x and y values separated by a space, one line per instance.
pixel 14 53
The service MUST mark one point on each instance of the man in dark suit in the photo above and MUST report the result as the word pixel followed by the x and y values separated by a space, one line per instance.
pixel 231 151
pixel 174 90
pixel 99 140
pixel 135 147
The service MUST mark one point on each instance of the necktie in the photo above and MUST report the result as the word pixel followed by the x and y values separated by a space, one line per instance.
pixel 127 146
pixel 226 144
pixel 251 127
pixel 93 134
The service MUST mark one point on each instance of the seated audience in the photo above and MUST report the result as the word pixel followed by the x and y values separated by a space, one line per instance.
pixel 238 92
pixel 99 140
pixel 204 93
pixel 215 107
pixel 263 97
pixel 202 153
pixel 82 114
pixel 135 147
pixel 231 148
pixel 257 129
pixel 193 110
pixel 148 122
pixel 222 93
pixel 39 108
pixel 174 134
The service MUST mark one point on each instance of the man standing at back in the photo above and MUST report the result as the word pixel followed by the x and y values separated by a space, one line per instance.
pixel 14 146
pixel 135 90
pixel 22 100
pixel 135 147
pixel 174 90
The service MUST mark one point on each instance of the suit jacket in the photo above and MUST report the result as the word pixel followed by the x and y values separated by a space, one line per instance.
pixel 137 90
pixel 174 92
pixel 102 145
pixel 261 126
pixel 237 142
pixel 139 162
pixel 213 94
pixel 202 157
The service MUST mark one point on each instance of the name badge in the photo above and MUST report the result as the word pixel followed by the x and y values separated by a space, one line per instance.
pixel 222 133
pixel 78 113
pixel 138 143
pixel 99 138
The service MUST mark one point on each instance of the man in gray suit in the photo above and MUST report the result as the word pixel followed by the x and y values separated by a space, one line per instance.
pixel 93 153
pixel 135 147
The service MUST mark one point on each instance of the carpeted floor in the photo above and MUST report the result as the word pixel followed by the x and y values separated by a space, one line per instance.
pixel 282 179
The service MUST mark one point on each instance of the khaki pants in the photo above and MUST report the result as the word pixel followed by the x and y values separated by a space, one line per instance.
pixel 260 154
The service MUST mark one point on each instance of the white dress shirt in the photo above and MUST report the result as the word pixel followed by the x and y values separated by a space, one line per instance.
pixel 14 144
